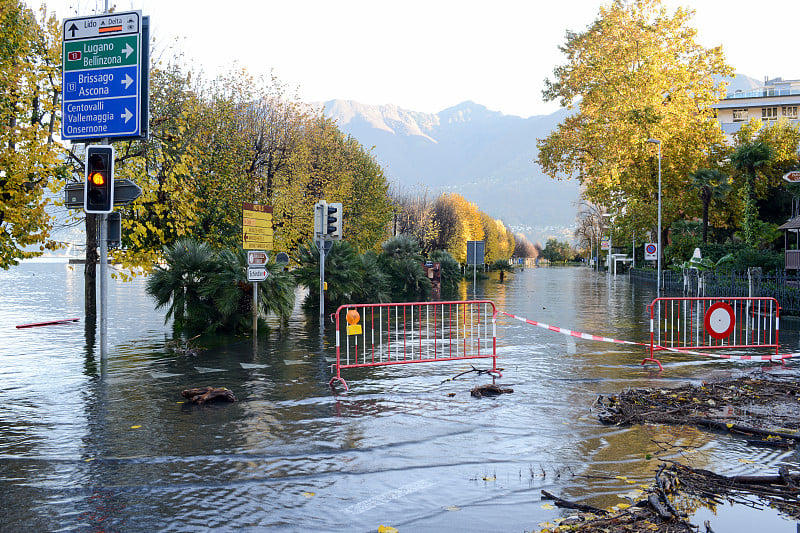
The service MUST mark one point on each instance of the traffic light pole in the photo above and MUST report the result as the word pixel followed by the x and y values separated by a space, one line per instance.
pixel 321 244
pixel 103 220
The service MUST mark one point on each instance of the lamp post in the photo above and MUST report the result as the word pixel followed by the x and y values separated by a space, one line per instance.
pixel 658 279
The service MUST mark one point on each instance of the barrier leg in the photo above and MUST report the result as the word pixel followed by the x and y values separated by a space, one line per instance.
pixel 338 378
pixel 652 360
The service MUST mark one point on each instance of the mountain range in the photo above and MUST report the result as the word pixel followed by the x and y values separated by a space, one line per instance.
pixel 485 156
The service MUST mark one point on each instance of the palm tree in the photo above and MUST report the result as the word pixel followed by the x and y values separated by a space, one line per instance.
pixel 375 287
pixel 343 273
pixel 179 285
pixel 451 270
pixel 231 293
pixel 747 159
pixel 205 291
pixel 710 184
pixel 402 261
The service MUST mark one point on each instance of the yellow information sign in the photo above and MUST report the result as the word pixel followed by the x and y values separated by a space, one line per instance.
pixel 256 226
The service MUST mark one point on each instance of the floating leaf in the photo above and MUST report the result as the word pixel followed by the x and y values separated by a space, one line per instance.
pixel 386 529
pixel 451 508
pixel 489 478
pixel 135 427
pixel 309 494
pixel 548 506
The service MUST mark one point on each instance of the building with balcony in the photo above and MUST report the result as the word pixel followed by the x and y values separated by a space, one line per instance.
pixel 777 98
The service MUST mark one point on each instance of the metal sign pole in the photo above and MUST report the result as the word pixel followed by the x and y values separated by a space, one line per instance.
pixel 321 244
pixel 255 308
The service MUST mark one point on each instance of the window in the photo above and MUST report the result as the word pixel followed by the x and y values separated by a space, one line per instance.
pixel 769 113
pixel 789 111
pixel 739 115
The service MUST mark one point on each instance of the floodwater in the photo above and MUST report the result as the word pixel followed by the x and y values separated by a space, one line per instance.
pixel 92 447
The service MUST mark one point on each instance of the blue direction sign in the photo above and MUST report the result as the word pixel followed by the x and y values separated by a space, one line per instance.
pixel 102 76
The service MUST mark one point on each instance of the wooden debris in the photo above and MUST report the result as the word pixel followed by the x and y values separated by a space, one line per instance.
pixel 489 390
pixel 209 394
pixel 765 407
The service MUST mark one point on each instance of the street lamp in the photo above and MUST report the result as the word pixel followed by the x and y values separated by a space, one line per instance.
pixel 658 279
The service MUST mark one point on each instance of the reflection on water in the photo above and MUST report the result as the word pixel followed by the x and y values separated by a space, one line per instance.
pixel 118 450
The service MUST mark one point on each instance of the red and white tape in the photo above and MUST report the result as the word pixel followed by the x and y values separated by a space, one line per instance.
pixel 569 332
pixel 587 336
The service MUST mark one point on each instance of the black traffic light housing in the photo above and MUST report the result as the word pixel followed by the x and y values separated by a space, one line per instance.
pixel 333 222
pixel 99 192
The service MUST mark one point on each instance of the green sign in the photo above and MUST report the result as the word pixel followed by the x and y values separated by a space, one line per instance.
pixel 101 53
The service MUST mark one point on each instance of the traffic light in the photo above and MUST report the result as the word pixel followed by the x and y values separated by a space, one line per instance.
pixel 320 210
pixel 333 226
pixel 99 193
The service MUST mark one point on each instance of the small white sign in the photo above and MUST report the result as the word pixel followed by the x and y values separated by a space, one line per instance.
pixel 257 258
pixel 651 251
pixel 257 274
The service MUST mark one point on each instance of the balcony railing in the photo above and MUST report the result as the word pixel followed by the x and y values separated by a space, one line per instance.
pixel 757 93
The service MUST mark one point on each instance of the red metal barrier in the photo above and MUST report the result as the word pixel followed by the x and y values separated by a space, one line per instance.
pixel 419 332
pixel 683 324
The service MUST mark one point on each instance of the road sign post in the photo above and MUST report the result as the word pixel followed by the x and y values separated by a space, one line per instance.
pixel 102 77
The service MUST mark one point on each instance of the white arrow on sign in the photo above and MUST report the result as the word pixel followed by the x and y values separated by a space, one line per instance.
pixel 792 177
pixel 127 50
pixel 127 115
pixel 257 274
pixel 257 258
pixel 127 81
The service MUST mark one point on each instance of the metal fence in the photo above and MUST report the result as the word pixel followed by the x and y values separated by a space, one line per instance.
pixel 369 335
pixel 785 288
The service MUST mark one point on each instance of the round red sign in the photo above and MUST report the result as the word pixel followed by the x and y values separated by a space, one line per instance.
pixel 719 320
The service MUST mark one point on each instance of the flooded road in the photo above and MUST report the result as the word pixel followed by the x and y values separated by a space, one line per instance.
pixel 90 448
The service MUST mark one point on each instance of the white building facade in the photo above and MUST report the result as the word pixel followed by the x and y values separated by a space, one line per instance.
pixel 778 98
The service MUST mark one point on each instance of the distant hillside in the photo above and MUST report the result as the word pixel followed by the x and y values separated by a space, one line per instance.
pixel 484 155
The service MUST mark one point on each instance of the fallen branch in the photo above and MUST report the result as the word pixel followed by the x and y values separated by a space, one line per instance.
pixel 736 428
pixel 208 394
pixel 565 504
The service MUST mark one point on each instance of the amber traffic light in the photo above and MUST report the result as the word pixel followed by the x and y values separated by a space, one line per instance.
pixel 99 194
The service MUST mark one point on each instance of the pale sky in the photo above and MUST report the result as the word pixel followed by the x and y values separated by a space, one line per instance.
pixel 427 55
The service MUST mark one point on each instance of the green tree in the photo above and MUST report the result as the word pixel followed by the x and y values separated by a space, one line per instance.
pixel 711 184
pixel 556 251
pixel 204 290
pixel 178 286
pixel 450 270
pixel 636 73
pixel 344 274
pixel 748 159
pixel 402 262
pixel 29 103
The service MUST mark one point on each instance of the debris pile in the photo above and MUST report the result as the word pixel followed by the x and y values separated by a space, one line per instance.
pixel 762 407
pixel 209 394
